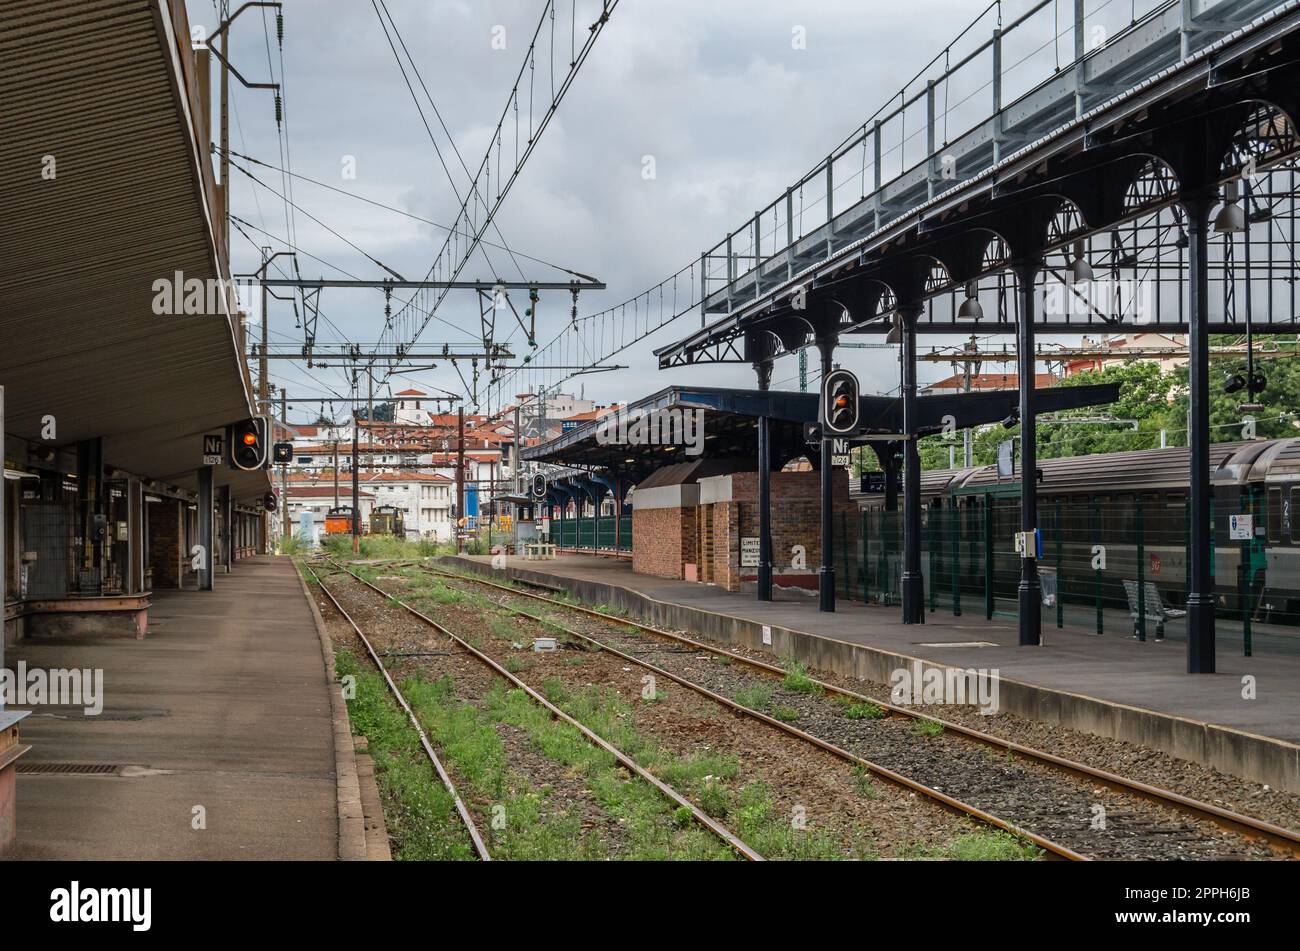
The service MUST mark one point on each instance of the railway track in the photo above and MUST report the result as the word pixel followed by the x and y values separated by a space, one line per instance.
pixel 1043 797
pixel 937 796
pixel 462 645
pixel 476 838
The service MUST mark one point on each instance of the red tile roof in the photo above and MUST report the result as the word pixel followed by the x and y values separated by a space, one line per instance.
pixel 297 491
pixel 990 381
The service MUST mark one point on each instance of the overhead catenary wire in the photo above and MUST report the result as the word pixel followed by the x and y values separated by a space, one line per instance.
pixel 399 211
pixel 457 261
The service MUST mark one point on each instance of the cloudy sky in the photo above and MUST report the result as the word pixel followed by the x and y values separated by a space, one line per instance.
pixel 716 92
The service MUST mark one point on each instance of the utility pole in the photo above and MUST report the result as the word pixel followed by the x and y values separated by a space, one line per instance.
pixel 225 157
pixel 356 484
pixel 263 379
pixel 370 414
pixel 336 472
pixel 516 467
pixel 460 476
pixel 284 469
pixel 263 383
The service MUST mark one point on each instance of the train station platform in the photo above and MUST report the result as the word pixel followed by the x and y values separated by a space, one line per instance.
pixel 218 730
pixel 1109 685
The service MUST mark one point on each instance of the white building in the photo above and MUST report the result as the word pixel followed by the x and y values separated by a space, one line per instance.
pixel 414 408
pixel 425 498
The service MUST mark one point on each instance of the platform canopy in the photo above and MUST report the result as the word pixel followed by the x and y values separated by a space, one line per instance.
pixel 729 421
pixel 108 188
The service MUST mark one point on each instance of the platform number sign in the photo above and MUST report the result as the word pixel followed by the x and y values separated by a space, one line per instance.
pixel 212 449
pixel 840 455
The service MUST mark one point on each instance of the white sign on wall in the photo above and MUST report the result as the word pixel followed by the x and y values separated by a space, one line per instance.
pixel 749 552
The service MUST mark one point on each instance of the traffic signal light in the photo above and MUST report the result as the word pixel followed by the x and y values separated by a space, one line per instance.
pixel 248 443
pixel 282 452
pixel 840 403
pixel 270 502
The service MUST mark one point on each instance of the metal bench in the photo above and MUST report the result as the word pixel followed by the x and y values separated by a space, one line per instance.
pixel 1153 607
pixel 539 551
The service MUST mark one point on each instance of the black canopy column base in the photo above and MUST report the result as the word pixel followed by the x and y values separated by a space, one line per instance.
pixel 1200 599
pixel 913 579
pixel 1030 591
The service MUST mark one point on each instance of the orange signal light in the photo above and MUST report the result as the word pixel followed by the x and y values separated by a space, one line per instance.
pixel 250 439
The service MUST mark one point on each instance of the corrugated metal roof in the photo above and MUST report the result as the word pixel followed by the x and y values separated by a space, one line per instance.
pixel 1114 471
pixel 97 85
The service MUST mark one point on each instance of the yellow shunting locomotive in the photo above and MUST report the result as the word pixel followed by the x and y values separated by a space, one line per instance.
pixel 387 520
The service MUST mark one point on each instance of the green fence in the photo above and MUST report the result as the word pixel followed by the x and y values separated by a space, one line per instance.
pixel 572 533
pixel 1113 564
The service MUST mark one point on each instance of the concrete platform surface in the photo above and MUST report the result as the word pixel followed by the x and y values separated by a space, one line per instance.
pixel 225 705
pixel 1128 676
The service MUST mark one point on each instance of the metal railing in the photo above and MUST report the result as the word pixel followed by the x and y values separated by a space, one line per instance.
pixel 997 86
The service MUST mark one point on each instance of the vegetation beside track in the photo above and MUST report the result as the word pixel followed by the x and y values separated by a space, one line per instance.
pixel 419 812
pixel 518 820
pixel 709 778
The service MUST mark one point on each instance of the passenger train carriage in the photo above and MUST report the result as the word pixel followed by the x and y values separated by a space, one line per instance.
pixel 1127 503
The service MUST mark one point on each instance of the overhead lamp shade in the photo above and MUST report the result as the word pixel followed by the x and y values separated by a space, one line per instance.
pixel 896 332
pixel 1231 219
pixel 970 307
pixel 1081 271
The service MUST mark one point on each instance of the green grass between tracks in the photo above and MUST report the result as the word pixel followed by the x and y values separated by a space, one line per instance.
pixel 709 777
pixel 419 812
pixel 516 819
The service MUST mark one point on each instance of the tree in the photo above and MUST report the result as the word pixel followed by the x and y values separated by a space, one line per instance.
pixel 383 413
pixel 1150 402
pixel 1228 422
pixel 1139 413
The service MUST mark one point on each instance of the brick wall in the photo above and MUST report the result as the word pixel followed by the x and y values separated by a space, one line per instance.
pixel 164 542
pixel 667 539
pixel 664 540
pixel 796 520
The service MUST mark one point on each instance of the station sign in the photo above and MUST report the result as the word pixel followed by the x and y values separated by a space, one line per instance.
pixel 1241 528
pixel 1006 459
pixel 873 483
pixel 212 449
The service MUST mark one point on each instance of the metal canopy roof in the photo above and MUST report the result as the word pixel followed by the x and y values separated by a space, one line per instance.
pixel 108 89
pixel 730 423
pixel 918 224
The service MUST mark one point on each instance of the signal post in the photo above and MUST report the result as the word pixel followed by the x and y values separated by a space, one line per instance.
pixel 840 414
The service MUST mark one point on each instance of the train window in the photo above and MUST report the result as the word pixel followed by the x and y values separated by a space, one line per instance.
pixel 1274 515
pixel 1120 522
